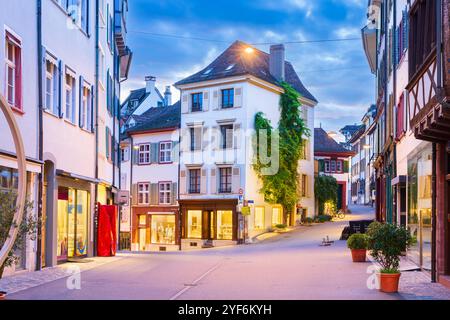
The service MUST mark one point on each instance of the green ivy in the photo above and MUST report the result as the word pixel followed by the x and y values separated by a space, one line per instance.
pixel 326 190
pixel 282 187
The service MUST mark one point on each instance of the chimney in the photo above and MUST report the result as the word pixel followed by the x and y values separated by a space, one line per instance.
pixel 150 83
pixel 277 56
pixel 168 96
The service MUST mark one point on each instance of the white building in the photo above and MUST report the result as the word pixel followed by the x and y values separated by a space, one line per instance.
pixel 218 108
pixel 18 84
pixel 149 169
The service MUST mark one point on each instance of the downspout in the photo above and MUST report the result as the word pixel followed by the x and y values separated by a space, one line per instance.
pixel 386 101
pixel 40 135
pixel 131 189
pixel 97 6
pixel 180 219
pixel 116 150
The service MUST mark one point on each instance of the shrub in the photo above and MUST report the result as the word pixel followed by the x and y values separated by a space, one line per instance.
pixel 357 241
pixel 325 218
pixel 387 242
pixel 280 226
pixel 308 220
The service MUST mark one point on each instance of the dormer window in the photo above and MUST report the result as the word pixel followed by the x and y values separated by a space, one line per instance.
pixel 207 71
pixel 229 67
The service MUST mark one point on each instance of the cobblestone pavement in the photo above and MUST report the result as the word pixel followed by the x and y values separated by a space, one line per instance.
pixel 287 266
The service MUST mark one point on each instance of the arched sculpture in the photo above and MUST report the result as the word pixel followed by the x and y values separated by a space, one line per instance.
pixel 21 164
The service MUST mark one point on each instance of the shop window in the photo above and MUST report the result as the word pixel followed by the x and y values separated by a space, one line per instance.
pixel 163 229
pixel 277 217
pixel 194 224
pixel 225 180
pixel 165 192
pixel 143 193
pixel 259 218
pixel 225 225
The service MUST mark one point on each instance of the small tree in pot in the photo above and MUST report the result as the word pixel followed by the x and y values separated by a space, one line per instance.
pixel 358 244
pixel 387 242
pixel 27 228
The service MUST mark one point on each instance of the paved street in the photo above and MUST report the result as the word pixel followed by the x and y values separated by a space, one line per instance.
pixel 288 266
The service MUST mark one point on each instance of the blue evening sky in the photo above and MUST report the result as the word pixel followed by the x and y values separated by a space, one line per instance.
pixel 336 73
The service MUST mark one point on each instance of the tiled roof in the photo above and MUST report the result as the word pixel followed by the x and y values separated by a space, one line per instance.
pixel 351 129
pixel 158 118
pixel 323 143
pixel 235 62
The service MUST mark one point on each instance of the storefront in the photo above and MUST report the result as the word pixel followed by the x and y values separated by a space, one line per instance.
pixel 73 219
pixel 209 223
pixel 419 187
pixel 155 229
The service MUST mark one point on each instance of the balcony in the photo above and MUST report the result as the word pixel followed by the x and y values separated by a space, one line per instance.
pixel 429 118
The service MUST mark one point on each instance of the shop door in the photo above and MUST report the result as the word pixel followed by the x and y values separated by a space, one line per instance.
pixel 208 225
pixel 340 196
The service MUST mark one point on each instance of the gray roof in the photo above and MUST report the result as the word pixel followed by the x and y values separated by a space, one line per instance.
pixel 323 143
pixel 242 64
pixel 158 119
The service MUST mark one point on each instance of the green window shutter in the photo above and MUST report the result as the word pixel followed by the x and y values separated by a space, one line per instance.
pixel 346 166
pixel 134 194
pixel 321 166
pixel 175 151
pixel 174 192
pixel 154 151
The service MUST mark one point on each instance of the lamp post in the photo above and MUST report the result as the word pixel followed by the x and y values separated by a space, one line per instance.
pixel 21 165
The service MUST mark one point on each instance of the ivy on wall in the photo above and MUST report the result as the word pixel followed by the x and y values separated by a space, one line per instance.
pixel 283 187
pixel 326 192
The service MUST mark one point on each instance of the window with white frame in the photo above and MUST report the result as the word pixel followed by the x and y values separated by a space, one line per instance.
pixel 101 71
pixel 70 98
pixel 143 193
pixel 165 152
pixel 86 109
pixel 165 192
pixel 13 71
pixel 51 87
pixel 144 154
pixel 124 154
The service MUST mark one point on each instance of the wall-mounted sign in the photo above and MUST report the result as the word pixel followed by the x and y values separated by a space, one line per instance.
pixel 245 211
pixel 123 197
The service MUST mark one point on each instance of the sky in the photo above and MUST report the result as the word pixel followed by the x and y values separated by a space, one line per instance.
pixel 336 73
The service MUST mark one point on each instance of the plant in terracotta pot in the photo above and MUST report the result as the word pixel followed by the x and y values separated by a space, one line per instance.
pixel 358 244
pixel 2 295
pixel 387 242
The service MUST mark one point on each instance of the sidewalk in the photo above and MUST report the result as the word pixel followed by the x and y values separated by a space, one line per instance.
pixel 26 280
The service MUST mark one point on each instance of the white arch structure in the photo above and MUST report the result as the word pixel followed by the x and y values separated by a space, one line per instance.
pixel 21 164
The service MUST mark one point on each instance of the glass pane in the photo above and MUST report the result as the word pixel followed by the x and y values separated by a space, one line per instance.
pixel 225 225
pixel 276 216
pixel 259 218
pixel 62 231
pixel 163 229
pixel 194 225
pixel 82 222
pixel 71 223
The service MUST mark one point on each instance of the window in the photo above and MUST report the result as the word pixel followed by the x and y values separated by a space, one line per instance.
pixel 143 193
pixel 339 166
pixel 51 88
pixel 194 224
pixel 333 166
pixel 259 218
pixel 277 217
pixel 225 225
pixel 13 58
pixel 70 98
pixel 165 193
pixel 196 138
pixel 84 10
pixel 194 181
pixel 304 185
pixel 101 71
pixel 163 229
pixel 124 154
pixel 227 136
pixel 86 109
pixel 197 102
pixel 144 154
pixel 228 98
pixel 165 152
pixel 327 166
pixel 225 175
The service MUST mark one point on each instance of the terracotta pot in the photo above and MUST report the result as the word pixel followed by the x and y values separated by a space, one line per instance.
pixel 2 295
pixel 359 255
pixel 389 282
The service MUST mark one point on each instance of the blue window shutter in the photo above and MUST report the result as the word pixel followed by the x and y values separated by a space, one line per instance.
pixel 405 29
pixel 92 108
pixel 62 72
pixel 107 92
pixel 81 117
pixel 107 142
pixel 44 76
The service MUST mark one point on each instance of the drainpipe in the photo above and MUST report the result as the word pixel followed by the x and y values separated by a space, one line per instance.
pixel 433 217
pixel 97 6
pixel 40 134
pixel 131 188
pixel 180 219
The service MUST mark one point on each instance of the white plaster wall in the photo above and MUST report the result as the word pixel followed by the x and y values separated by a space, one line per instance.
pixel 150 102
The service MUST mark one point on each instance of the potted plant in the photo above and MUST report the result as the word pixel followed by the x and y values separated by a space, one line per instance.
pixel 387 242
pixel 2 295
pixel 358 243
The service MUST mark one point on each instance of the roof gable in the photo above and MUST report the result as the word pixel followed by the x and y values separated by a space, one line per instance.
pixel 323 143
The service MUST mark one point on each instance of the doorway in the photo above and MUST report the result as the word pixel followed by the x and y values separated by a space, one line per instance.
pixel 340 197
pixel 209 225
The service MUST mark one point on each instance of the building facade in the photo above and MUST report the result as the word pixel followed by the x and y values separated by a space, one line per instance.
pixel 333 160
pixel 218 108
pixel 411 134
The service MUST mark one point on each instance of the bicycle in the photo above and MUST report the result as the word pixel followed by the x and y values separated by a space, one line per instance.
pixel 339 214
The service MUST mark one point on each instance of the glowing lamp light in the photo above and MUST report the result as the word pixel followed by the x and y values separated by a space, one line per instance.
pixel 332 134
pixel 367 146
pixel 136 147
pixel 249 50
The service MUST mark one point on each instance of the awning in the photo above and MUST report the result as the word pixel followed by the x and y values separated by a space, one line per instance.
pixel 399 180
pixel 369 38
pixel 63 173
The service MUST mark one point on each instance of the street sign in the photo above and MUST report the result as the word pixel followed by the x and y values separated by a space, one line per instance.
pixel 245 211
